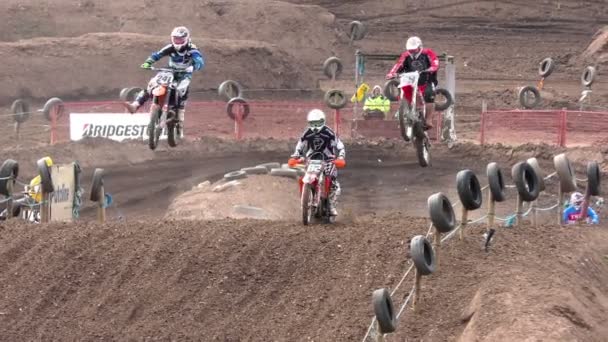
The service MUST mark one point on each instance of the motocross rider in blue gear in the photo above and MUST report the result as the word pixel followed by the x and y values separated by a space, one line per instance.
pixel 183 55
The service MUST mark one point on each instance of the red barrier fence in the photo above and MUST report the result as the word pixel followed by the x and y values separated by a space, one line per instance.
pixel 268 119
pixel 554 127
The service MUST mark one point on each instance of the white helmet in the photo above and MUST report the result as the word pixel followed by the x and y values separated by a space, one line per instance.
pixel 413 45
pixel 576 199
pixel 180 38
pixel 316 120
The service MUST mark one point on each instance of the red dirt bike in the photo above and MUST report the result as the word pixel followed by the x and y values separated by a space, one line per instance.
pixel 163 112
pixel 315 186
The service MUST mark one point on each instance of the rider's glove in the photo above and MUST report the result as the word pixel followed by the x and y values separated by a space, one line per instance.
pixel 293 161
pixel 340 162
pixel 190 69
pixel 146 65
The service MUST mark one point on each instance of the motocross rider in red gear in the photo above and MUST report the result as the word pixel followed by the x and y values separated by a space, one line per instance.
pixel 417 58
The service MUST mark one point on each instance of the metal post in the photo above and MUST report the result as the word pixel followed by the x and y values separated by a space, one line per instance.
pixel 238 123
pixel 534 214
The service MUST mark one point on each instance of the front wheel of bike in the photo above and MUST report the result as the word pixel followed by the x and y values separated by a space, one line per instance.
pixel 307 204
pixel 403 126
pixel 423 151
pixel 153 129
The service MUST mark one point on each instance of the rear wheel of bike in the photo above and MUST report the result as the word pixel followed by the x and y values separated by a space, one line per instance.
pixel 403 108
pixel 307 207
pixel 153 129
pixel 423 151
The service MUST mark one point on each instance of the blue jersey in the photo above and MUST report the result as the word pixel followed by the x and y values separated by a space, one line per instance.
pixel 190 57
pixel 572 214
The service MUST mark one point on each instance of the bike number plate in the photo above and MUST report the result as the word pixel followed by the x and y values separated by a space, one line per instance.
pixel 163 78
pixel 314 168
pixel 408 79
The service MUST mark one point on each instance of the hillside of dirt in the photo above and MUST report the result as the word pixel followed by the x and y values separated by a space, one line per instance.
pixel 597 51
pixel 249 280
pixel 107 62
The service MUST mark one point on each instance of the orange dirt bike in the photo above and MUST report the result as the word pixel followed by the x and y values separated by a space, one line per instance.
pixel 315 186
pixel 163 112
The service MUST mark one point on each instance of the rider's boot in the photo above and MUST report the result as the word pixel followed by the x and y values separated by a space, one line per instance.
pixel 180 117
pixel 429 116
pixel 334 192
pixel 132 107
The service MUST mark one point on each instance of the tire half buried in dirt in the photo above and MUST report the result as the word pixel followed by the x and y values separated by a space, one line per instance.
pixel 8 173
pixel 96 185
pixel 565 172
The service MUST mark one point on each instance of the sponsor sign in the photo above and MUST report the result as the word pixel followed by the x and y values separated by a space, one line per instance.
pixel 62 199
pixel 115 126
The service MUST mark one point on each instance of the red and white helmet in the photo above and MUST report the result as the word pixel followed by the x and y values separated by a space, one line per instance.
pixel 180 38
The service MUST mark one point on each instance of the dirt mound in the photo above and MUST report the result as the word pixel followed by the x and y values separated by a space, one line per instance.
pixel 290 26
pixel 101 64
pixel 196 279
pixel 261 197
pixel 597 51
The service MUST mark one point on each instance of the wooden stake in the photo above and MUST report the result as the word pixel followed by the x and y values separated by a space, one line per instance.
pixel 437 243
pixel 379 334
pixel 101 209
pixel 519 210
pixel 463 223
pixel 560 199
pixel 534 214
pixel 45 208
pixel 416 291
pixel 9 203
pixel 491 209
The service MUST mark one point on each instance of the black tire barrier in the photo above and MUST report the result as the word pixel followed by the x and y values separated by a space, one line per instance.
pixel 123 94
pixel 539 172
pixel 385 311
pixel 21 110
pixel 546 67
pixel 423 255
pixel 441 212
pixel 588 76
pixel 335 99
pixel 524 97
pixel 496 182
pixel 391 90
pixel 49 107
pixel 46 182
pixel 469 190
pixel 231 111
pixel 356 30
pixel 565 172
pixel 449 100
pixel 9 168
pixel 270 166
pixel 593 178
pixel 332 67
pixel 526 181
pixel 280 172
pixel 96 185
pixel 230 89
pixel 256 170
pixel 235 175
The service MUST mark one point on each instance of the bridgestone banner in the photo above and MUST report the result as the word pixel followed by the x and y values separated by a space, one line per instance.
pixel 115 126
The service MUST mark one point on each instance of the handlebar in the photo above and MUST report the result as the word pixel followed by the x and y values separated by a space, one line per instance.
pixel 167 69
pixel 299 163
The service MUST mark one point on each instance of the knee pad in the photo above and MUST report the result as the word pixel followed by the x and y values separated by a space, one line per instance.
pixel 429 94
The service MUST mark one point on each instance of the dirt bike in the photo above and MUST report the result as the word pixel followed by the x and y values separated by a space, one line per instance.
pixel 315 187
pixel 163 112
pixel 412 117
